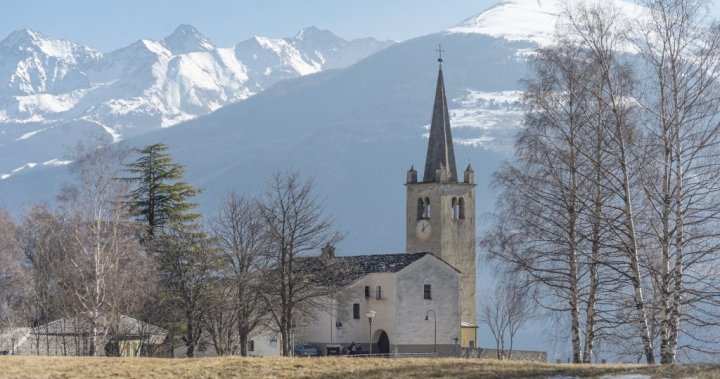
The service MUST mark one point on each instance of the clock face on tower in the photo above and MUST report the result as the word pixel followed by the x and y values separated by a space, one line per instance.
pixel 422 230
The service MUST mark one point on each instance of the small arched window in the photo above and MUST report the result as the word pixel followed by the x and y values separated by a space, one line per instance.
pixel 427 208
pixel 461 209
pixel 420 208
pixel 455 208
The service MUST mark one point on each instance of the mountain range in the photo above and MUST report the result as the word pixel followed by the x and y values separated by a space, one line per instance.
pixel 352 114
pixel 54 92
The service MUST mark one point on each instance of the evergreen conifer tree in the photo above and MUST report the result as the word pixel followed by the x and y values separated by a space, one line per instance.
pixel 160 196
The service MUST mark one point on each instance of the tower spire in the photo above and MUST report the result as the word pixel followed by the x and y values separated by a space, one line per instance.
pixel 440 153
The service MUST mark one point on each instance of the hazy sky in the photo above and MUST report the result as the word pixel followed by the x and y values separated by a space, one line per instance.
pixel 109 24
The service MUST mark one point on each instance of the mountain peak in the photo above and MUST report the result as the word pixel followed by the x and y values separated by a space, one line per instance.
pixel 532 20
pixel 21 37
pixel 28 39
pixel 185 39
pixel 315 33
pixel 526 20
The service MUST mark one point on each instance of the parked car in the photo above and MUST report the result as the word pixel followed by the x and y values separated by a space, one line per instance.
pixel 306 350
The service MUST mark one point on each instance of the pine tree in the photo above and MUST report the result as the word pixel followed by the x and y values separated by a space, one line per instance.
pixel 160 196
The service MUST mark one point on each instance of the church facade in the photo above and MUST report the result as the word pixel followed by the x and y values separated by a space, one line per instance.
pixel 420 301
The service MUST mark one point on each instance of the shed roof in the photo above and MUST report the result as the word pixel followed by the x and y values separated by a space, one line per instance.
pixel 126 327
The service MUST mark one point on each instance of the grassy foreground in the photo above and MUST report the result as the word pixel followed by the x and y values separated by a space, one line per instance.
pixel 341 367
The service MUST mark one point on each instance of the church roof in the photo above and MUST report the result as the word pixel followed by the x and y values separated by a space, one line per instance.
pixel 440 153
pixel 344 270
pixel 367 264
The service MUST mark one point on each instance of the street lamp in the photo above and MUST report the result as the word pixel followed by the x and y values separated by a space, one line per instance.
pixel 435 329
pixel 370 315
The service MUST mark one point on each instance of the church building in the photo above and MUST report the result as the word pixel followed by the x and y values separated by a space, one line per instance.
pixel 420 301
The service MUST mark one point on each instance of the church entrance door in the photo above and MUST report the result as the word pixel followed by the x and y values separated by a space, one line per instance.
pixel 383 343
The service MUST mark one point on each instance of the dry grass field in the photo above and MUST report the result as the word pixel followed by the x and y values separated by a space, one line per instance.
pixel 235 367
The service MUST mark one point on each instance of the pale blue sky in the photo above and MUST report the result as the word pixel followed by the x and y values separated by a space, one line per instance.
pixel 108 25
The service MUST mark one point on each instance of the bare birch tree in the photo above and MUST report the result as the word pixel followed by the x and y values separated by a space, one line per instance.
pixel 681 102
pixel 546 208
pixel 98 239
pixel 603 33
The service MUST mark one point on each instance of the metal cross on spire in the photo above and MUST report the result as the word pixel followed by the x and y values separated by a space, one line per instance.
pixel 440 51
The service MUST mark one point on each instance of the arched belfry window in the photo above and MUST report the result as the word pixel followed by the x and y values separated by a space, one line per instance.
pixel 461 209
pixel 458 208
pixel 423 208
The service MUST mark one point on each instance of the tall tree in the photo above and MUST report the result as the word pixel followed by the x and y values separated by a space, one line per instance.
pixel 160 196
pixel 186 260
pixel 241 235
pixel 45 298
pixel 603 32
pixel 546 192
pixel 296 226
pixel 179 248
pixel 98 240
pixel 682 53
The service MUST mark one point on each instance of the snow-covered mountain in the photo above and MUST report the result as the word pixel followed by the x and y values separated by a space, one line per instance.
pixel 534 20
pixel 153 84
pixel 55 92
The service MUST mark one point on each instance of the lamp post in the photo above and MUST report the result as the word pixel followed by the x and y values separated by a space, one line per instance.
pixel 434 329
pixel 370 315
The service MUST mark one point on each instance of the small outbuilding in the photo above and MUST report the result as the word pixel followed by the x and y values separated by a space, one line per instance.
pixel 126 337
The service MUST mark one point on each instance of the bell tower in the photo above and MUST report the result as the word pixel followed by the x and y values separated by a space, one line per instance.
pixel 440 211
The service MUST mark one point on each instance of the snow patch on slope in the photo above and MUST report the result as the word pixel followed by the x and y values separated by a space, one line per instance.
pixel 487 120
pixel 56 162
pixel 30 134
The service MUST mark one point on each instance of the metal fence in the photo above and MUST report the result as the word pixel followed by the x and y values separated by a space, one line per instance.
pixel 394 355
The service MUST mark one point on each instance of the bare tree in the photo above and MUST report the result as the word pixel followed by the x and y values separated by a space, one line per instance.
pixel 220 316
pixel 603 33
pixel 548 221
pixel 240 232
pixel 186 260
pixel 98 240
pixel 296 226
pixel 11 272
pixel 682 161
pixel 45 298
pixel 505 311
